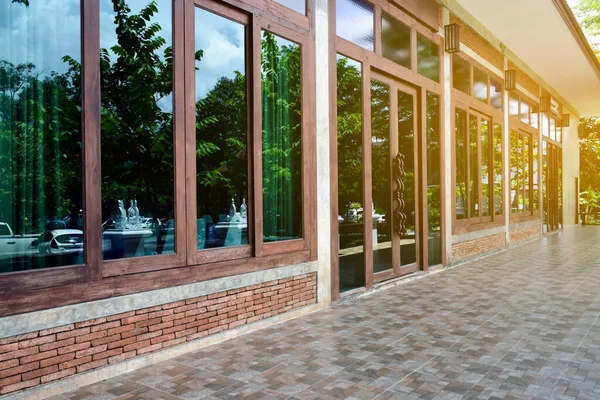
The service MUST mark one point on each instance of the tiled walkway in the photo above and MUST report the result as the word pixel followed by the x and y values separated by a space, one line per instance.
pixel 521 324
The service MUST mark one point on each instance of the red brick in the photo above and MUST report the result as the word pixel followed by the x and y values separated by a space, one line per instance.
pixel 161 313
pixel 121 343
pixel 208 326
pixel 148 335
pixel 19 353
pixel 18 338
pixel 120 316
pixel 90 322
pixel 73 348
pixel 133 319
pixel 73 333
pixel 227 309
pixel 19 386
pixel 91 336
pixel 175 329
pixel 57 375
pixel 57 360
pixel 195 299
pixel 173 342
pixel 135 332
pixel 149 349
pixel 121 357
pixel 38 356
pixel 196 323
pixel 107 354
pixel 9 364
pixel 226 321
pixel 158 327
pixel 148 322
pixel 19 370
pixel 58 329
pixel 5 348
pixel 217 318
pixel 173 305
pixel 10 380
pixel 92 365
pixel 186 332
pixel 184 308
pixel 162 338
pixel 37 341
pixel 148 310
pixel 90 351
pixel 184 321
pixel 136 345
pixel 196 336
pixel 56 345
pixel 75 362
pixel 120 329
pixel 216 329
pixel 173 317
pixel 237 323
pixel 106 325
pixel 39 372
pixel 105 340
pixel 217 307
pixel 207 303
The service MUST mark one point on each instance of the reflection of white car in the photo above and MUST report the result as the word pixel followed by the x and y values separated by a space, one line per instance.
pixel 60 241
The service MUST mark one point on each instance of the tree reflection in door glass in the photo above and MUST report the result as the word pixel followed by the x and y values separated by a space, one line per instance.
pixel 434 200
pixel 381 210
pixel 406 146
pixel 350 174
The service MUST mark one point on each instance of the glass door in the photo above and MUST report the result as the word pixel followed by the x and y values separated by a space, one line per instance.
pixel 552 196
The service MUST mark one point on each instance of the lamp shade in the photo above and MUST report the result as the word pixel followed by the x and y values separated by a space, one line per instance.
pixel 545 103
pixel 510 79
pixel 452 38
pixel 565 121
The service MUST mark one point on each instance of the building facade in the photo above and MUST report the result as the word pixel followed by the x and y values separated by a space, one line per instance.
pixel 178 172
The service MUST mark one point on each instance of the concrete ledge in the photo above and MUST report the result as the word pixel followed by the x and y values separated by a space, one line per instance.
pixel 465 237
pixel 87 378
pixel 45 319
pixel 524 225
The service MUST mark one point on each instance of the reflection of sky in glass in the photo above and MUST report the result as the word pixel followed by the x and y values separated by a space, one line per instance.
pixel 428 61
pixel 354 22
pixel 222 42
pixel 513 106
pixel 525 112
pixel 496 93
pixel 479 85
pixel 296 5
pixel 395 40
pixel 41 34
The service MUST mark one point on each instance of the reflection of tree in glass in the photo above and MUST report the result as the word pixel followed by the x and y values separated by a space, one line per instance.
pixel 380 148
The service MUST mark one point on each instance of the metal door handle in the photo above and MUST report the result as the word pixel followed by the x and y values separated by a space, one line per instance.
pixel 11 242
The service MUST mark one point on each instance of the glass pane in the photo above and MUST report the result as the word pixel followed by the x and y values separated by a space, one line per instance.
pixel 498 169
pixel 496 93
pixel 535 114
pixel 524 112
pixel 282 139
pixel 520 174
pixel 513 105
pixel 354 22
pixel 473 167
pixel 480 85
pixel 526 170
pixel 428 58
pixel 296 5
pixel 461 162
pixel 350 174
pixel 545 125
pixel 40 135
pixel 461 75
pixel 535 175
pixel 221 132
pixel 381 209
pixel 552 129
pixel 434 199
pixel 406 146
pixel 514 171
pixel 136 70
pixel 395 40
pixel 545 179
pixel 558 134
pixel 485 168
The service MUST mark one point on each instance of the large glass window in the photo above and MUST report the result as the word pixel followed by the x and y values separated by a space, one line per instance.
pixel 41 198
pixel 282 144
pixel 496 93
pixel 523 160
pixel 497 162
pixel 480 85
pixel 136 72
pixel 355 22
pixel 461 74
pixel 221 132
pixel 473 166
pixel 428 58
pixel 395 40
pixel 486 181
pixel 350 173
pixel 406 146
pixel 434 199
pixel 461 141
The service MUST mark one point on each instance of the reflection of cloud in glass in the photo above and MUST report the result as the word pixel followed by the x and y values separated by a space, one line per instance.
pixel 222 42
pixel 41 34
pixel 296 5
pixel 354 22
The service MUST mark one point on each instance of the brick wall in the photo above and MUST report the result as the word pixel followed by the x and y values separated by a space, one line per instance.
pixel 524 80
pixel 478 44
pixel 473 247
pixel 526 233
pixel 43 356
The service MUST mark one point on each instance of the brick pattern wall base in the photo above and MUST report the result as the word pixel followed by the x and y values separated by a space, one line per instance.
pixel 470 248
pixel 39 357
pixel 523 234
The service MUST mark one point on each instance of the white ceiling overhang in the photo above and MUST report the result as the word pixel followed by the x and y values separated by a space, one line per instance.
pixel 544 35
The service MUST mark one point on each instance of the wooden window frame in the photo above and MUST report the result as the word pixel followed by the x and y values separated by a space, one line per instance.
pixel 27 291
pixel 374 60
pixel 462 96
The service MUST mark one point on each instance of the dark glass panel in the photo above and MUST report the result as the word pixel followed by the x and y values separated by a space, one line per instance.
pixel 545 180
pixel 480 85
pixel 395 40
pixel 136 71
pixel 434 199
pixel 473 167
pixel 282 138
pixel 524 112
pixel 221 133
pixel 486 173
pixel 535 183
pixel 461 74
pixel 496 93
pixel 350 174
pixel 406 146
pixel 355 23
pixel 526 171
pixel 460 132
pixel 428 58
pixel 497 169
pixel 296 5
pixel 381 210
pixel 514 171
pixel 41 199
pixel 513 105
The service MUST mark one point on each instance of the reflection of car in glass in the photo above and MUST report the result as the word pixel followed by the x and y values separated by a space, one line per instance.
pixel 12 245
pixel 60 241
